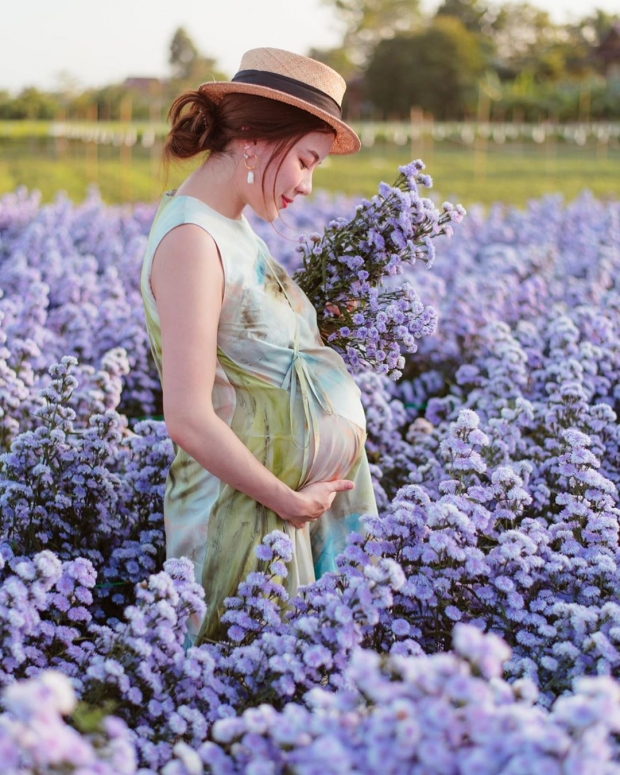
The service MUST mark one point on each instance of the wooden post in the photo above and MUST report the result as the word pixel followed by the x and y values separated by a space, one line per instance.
pixel 125 147
pixel 551 145
pixel 92 147
pixel 416 120
pixel 602 140
pixel 584 102
pixel 155 118
pixel 429 140
pixel 480 145
pixel 60 146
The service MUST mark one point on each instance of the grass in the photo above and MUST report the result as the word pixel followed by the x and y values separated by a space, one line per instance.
pixel 512 173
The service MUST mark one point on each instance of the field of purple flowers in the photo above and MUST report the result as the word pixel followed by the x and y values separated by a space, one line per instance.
pixel 474 627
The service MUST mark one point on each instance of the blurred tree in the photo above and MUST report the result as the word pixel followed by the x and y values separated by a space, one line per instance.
pixel 478 17
pixel 203 69
pixel 436 69
pixel 596 25
pixel 588 34
pixel 183 53
pixel 336 58
pixel 518 36
pixel 31 104
pixel 475 15
pixel 6 101
pixel 189 67
pixel 366 22
pixel 524 36
pixel 108 100
pixel 80 106
pixel 390 81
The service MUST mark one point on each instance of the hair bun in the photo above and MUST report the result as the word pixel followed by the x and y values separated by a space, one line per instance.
pixel 194 117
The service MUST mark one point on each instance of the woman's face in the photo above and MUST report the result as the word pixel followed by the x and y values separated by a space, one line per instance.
pixel 292 179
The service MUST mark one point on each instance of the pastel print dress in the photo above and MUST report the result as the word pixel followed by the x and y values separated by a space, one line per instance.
pixel 287 396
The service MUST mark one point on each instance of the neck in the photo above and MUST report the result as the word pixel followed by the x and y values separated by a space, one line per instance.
pixel 216 185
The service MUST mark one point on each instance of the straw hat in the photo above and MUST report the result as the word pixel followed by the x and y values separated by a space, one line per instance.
pixel 296 80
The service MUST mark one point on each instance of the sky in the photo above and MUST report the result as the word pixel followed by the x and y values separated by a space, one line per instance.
pixel 45 43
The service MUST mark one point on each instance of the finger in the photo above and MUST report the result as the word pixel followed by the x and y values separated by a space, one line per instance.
pixel 341 485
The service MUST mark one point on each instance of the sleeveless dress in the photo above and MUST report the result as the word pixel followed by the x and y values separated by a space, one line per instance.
pixel 287 396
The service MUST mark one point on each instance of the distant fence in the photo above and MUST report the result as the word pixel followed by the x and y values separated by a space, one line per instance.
pixel 392 133
pixel 467 132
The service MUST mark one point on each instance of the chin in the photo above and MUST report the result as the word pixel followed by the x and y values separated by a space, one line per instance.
pixel 268 214
pixel 266 207
pixel 267 217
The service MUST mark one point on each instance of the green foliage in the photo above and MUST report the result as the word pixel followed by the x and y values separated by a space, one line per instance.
pixel 583 37
pixel 436 69
pixel 567 100
pixel 30 103
pixel 519 37
pixel 200 70
pixel 183 52
pixel 188 66
pixel 474 15
pixel 336 58
pixel 596 25
pixel 523 35
pixel 369 21
pixel 88 719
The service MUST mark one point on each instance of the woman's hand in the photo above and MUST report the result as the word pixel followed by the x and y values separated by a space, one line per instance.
pixel 328 325
pixel 350 306
pixel 312 501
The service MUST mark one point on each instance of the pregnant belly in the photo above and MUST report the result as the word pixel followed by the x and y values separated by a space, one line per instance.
pixel 335 448
pixel 299 438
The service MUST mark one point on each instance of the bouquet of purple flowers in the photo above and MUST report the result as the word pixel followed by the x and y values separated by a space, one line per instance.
pixel 347 273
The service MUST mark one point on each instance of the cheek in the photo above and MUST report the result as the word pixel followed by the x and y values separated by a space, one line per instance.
pixel 269 179
pixel 288 176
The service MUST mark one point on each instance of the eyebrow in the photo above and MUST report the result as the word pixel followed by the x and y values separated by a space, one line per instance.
pixel 315 155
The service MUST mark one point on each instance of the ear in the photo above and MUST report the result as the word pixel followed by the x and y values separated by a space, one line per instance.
pixel 240 145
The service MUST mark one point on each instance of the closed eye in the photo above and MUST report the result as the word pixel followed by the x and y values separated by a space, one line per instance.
pixel 315 160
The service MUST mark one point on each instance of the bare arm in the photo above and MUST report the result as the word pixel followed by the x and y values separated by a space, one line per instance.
pixel 188 282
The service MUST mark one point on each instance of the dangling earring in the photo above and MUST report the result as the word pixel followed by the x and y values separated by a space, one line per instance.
pixel 250 170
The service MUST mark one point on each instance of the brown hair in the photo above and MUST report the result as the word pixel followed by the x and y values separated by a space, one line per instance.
pixel 208 126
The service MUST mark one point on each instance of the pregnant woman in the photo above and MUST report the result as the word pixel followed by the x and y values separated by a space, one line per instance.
pixel 267 424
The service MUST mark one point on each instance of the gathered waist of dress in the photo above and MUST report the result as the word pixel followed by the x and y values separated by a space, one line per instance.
pixel 314 376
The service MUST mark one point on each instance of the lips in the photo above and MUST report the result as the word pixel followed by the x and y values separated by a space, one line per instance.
pixel 286 202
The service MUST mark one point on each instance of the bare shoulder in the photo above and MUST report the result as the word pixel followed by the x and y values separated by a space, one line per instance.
pixel 187 241
pixel 186 253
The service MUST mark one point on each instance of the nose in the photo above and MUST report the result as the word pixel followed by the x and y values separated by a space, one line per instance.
pixel 305 185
